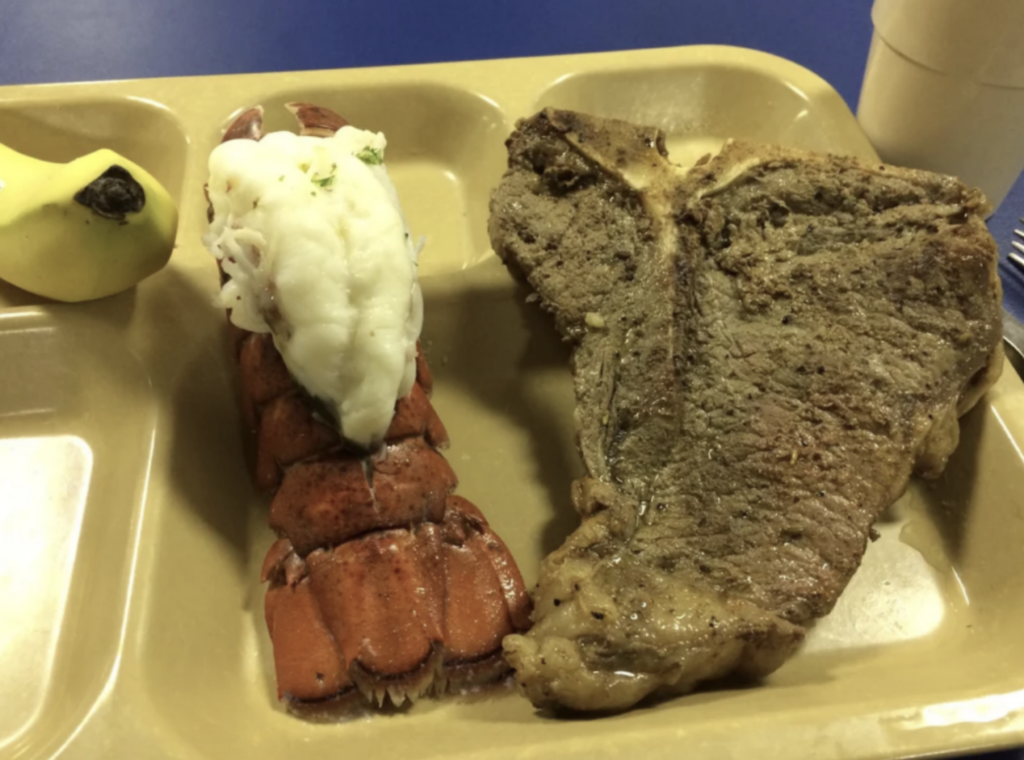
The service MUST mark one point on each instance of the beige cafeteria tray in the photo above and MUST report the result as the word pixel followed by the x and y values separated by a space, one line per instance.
pixel 130 539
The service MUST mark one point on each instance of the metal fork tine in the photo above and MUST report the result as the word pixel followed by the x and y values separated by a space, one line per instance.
pixel 1018 246
pixel 1018 260
pixel 1019 233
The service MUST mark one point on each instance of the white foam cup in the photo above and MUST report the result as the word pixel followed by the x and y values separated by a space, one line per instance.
pixel 944 89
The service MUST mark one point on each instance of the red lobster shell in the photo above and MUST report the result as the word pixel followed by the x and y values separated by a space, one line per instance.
pixel 383 582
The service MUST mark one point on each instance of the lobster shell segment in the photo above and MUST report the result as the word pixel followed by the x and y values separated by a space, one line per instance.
pixel 394 613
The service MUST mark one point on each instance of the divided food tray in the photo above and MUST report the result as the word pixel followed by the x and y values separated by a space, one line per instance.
pixel 131 538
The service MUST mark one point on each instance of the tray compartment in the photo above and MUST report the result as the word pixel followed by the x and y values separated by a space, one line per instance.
pixel 204 650
pixel 75 430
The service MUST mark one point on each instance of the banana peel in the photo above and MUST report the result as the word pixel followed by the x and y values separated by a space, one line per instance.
pixel 82 230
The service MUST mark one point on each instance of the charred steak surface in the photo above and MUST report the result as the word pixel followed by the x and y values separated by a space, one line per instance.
pixel 766 347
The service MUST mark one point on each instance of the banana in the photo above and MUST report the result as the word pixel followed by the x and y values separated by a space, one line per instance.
pixel 82 230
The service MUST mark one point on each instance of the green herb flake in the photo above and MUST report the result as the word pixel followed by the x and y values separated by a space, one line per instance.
pixel 323 181
pixel 281 178
pixel 371 156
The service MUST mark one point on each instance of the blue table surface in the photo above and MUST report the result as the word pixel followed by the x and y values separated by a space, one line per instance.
pixel 43 41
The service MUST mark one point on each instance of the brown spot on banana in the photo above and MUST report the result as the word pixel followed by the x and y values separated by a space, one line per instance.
pixel 113 195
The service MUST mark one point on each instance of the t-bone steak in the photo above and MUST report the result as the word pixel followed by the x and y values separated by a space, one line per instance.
pixel 765 347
